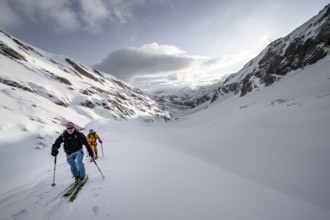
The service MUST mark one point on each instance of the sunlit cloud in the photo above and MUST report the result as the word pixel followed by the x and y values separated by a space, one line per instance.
pixel 155 67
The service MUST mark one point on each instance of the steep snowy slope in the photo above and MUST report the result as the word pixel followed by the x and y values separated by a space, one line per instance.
pixel 36 82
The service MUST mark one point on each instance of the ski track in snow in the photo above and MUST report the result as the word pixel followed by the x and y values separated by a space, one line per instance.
pixel 41 198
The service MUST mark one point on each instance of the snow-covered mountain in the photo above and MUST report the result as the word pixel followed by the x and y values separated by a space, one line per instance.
pixel 262 155
pixel 71 91
pixel 306 45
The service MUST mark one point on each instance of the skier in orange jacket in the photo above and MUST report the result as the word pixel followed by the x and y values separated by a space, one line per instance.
pixel 92 137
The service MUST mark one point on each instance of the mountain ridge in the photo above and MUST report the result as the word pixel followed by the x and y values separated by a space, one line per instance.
pixel 304 46
pixel 73 91
pixel 89 88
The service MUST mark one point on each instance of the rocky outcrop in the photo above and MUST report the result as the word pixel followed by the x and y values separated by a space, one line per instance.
pixel 10 52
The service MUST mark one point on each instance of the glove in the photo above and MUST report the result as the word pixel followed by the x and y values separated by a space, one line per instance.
pixel 101 142
pixel 91 154
pixel 54 152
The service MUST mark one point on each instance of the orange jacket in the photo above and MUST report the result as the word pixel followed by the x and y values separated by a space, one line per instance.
pixel 91 138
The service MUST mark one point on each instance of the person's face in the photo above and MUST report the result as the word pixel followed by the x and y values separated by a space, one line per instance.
pixel 70 130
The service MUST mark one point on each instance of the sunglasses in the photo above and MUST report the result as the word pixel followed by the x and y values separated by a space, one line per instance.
pixel 69 128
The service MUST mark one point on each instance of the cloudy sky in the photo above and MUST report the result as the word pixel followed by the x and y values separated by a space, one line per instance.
pixel 157 43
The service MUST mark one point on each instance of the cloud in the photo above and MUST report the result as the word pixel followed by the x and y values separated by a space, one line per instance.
pixel 148 59
pixel 57 14
pixel 68 15
pixel 154 67
pixel 8 17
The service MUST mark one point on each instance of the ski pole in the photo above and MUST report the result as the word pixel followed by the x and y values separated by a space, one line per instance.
pixel 53 184
pixel 98 167
pixel 102 149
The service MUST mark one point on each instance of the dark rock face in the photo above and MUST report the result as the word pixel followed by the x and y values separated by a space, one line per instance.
pixel 88 104
pixel 11 53
pixel 14 84
pixel 80 69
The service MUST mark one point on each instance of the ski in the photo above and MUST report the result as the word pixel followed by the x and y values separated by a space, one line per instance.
pixel 77 189
pixel 71 189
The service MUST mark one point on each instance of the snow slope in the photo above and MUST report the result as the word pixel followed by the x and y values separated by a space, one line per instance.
pixel 261 156
pixel 35 84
